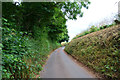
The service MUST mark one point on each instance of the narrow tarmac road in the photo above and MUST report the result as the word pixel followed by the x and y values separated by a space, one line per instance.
pixel 60 65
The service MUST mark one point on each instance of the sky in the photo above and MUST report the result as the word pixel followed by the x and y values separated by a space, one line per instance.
pixel 99 11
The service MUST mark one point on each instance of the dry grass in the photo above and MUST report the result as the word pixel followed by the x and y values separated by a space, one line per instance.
pixel 99 50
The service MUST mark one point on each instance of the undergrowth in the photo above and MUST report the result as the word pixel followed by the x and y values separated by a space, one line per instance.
pixel 22 55
pixel 100 51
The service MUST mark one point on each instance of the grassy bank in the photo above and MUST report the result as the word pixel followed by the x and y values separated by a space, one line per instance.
pixel 99 50
pixel 94 29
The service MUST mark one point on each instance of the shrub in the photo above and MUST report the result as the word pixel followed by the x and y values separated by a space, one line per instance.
pixel 93 29
pixel 13 51
pixel 22 55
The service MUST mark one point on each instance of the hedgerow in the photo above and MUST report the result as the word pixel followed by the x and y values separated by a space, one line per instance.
pixel 93 29
pixel 99 51
pixel 22 55
pixel 13 51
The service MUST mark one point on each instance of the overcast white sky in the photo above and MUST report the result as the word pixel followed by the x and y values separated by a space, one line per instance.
pixel 99 10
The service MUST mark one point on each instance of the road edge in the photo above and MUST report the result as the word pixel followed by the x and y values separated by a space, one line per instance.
pixel 89 70
pixel 37 76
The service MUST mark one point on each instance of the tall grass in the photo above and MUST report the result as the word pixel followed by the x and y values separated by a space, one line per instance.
pixel 100 51
pixel 42 46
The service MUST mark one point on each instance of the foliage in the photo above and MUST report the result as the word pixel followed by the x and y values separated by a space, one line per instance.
pixel 57 29
pixel 31 31
pixel 93 29
pixel 12 53
pixel 28 15
pixel 99 51
pixel 64 43
pixel 22 58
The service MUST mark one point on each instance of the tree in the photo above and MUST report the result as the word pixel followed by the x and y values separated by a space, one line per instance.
pixel 29 15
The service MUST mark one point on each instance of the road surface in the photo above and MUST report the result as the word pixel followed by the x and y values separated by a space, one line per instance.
pixel 60 65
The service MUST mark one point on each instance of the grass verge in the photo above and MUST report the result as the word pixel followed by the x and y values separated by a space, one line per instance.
pixel 99 51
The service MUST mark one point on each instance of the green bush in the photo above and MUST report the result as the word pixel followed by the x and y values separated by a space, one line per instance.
pixel 13 51
pixel 23 56
pixel 93 29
